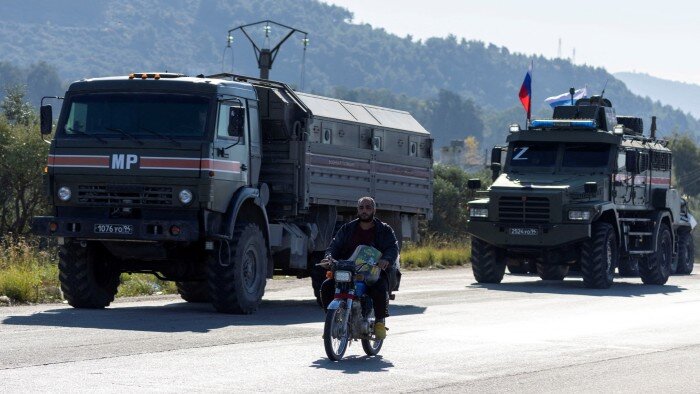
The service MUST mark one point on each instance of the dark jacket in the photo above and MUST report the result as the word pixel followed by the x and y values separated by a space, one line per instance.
pixel 384 241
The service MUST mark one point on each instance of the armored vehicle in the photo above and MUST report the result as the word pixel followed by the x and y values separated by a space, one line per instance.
pixel 587 189
pixel 218 182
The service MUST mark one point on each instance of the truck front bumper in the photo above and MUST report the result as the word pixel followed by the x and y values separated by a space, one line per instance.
pixel 116 229
pixel 546 236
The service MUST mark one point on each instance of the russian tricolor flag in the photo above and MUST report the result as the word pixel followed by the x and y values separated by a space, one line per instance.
pixel 526 92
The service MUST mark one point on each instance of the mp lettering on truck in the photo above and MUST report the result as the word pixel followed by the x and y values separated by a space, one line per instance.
pixel 123 161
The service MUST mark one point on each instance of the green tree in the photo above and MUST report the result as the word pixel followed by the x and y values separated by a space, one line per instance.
pixel 15 108
pixel 450 198
pixel 686 163
pixel 22 158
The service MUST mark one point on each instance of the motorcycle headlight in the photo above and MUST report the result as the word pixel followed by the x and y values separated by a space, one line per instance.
pixel 342 276
pixel 579 215
pixel 185 196
pixel 479 212
pixel 64 193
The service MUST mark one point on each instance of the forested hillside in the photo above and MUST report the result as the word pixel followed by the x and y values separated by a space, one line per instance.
pixel 94 38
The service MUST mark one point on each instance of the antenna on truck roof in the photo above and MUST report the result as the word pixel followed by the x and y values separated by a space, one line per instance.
pixel 264 54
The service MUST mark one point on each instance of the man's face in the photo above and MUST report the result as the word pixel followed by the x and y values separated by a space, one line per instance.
pixel 365 211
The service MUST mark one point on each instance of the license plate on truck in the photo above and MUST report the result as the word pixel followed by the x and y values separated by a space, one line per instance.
pixel 523 231
pixel 126 229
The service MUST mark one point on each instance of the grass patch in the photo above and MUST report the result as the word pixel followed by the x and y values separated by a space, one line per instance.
pixel 29 274
pixel 144 284
pixel 435 253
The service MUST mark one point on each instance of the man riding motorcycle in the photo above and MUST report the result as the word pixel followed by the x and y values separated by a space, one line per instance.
pixel 366 230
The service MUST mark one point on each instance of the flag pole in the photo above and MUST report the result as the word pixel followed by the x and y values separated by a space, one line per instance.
pixel 529 109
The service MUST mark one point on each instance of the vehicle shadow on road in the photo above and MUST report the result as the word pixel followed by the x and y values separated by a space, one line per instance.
pixel 354 364
pixel 182 316
pixel 575 287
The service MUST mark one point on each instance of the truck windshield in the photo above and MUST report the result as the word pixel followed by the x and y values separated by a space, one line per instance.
pixel 586 155
pixel 534 154
pixel 138 115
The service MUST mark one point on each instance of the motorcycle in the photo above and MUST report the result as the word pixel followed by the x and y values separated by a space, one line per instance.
pixel 350 316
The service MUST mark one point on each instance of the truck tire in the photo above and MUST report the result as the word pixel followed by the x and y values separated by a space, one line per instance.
pixel 552 272
pixel 237 271
pixel 318 274
pixel 86 279
pixel 599 257
pixel 197 291
pixel 686 253
pixel 488 262
pixel 628 267
pixel 655 269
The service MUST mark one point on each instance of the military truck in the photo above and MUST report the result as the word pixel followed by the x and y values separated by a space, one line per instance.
pixel 587 189
pixel 218 182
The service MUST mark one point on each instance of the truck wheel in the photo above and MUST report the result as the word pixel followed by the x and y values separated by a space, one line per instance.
pixel 628 267
pixel 686 253
pixel 599 257
pixel 552 272
pixel 488 262
pixel 238 271
pixel 656 269
pixel 87 281
pixel 193 291
pixel 318 274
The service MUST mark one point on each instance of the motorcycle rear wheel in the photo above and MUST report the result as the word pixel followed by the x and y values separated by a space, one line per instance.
pixel 372 346
pixel 335 334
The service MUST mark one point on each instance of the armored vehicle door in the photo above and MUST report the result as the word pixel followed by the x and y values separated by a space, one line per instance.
pixel 623 179
pixel 230 157
pixel 642 187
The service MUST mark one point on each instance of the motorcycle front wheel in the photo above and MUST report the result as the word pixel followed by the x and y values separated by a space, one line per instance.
pixel 335 334
pixel 372 345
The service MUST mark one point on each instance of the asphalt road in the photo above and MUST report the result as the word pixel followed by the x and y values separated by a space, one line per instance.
pixel 446 334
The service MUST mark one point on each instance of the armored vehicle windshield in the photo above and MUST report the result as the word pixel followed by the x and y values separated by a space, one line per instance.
pixel 135 115
pixel 529 156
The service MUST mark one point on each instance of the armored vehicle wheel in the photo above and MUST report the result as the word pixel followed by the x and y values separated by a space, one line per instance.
pixel 599 257
pixel 488 262
pixel 656 269
pixel 193 291
pixel 552 272
pixel 87 281
pixel 628 267
pixel 686 253
pixel 238 271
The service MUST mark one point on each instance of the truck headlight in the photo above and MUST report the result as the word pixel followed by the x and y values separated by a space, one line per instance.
pixel 342 276
pixel 185 196
pixel 479 212
pixel 579 215
pixel 64 193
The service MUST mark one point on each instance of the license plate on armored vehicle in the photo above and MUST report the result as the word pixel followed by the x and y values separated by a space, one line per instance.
pixel 126 229
pixel 523 231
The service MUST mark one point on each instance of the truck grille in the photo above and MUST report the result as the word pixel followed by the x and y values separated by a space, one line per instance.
pixel 116 195
pixel 523 209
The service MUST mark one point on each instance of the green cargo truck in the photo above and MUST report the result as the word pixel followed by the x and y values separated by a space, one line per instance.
pixel 218 182
pixel 584 189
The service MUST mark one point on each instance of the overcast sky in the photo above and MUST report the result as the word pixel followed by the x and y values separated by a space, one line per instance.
pixel 654 37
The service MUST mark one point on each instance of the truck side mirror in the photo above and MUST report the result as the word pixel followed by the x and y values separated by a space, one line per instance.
pixel 474 184
pixel 46 116
pixel 632 161
pixel 496 154
pixel 236 121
